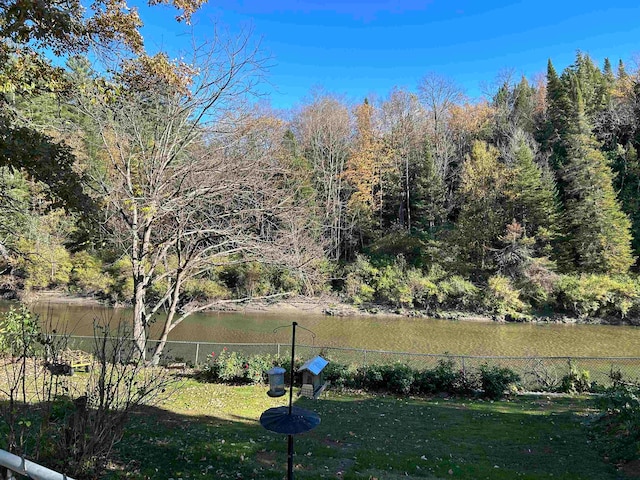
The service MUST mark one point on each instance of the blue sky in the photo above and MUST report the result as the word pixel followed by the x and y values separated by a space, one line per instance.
pixel 365 48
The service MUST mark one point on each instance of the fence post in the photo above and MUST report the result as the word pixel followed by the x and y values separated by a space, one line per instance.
pixel 278 349
pixel 464 371
pixel 570 366
pixel 197 352
pixel 364 358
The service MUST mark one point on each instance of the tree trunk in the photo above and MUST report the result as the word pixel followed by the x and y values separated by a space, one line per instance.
pixel 168 324
pixel 139 320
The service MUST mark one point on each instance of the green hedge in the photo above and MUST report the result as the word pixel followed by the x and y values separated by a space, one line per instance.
pixel 398 378
pixel 617 430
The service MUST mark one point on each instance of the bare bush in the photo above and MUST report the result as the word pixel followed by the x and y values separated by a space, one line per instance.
pixel 72 422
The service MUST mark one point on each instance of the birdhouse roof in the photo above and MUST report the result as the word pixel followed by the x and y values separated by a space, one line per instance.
pixel 315 365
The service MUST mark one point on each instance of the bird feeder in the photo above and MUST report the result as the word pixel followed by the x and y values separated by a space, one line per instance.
pixel 288 420
pixel 313 383
pixel 276 382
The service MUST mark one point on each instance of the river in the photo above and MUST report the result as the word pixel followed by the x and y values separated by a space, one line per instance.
pixel 374 332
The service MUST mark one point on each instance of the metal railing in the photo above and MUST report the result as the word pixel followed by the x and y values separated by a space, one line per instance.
pixel 537 373
pixel 26 468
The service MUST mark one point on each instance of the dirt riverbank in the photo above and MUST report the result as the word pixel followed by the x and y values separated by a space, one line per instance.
pixel 296 305
pixel 330 305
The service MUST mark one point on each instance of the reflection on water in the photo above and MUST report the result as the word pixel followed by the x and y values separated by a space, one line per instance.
pixel 378 333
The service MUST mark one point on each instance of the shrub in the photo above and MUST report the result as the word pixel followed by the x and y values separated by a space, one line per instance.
pixel 442 378
pixel 423 291
pixel 246 278
pixel 361 276
pixel 45 265
pixel 357 290
pixel 73 427
pixel 285 280
pixel 576 382
pixel 19 332
pixel 539 283
pixel 397 283
pixel 398 378
pixel 392 285
pixel 204 289
pixel 233 366
pixel 456 292
pixel 598 295
pixel 211 371
pixel 122 285
pixel 495 380
pixel 503 299
pixel 339 375
pixel 257 368
pixel 87 275
pixel 371 377
pixel 617 431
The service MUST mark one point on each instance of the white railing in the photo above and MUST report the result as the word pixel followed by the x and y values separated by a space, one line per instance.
pixel 21 466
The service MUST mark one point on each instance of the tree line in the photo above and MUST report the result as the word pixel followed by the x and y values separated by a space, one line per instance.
pixel 161 183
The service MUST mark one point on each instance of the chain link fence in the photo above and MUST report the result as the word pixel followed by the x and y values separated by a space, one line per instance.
pixel 537 373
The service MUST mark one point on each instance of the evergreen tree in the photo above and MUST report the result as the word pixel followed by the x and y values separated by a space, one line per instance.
pixel 514 110
pixel 622 72
pixel 429 195
pixel 626 164
pixel 583 78
pixel 524 104
pixel 558 118
pixel 598 238
pixel 607 83
pixel 607 69
pixel 532 197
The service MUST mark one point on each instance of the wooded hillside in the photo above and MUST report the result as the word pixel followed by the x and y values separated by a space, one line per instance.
pixel 160 183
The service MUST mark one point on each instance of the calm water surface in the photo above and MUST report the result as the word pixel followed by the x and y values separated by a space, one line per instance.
pixel 381 333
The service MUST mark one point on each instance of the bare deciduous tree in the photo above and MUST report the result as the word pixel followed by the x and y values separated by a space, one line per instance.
pixel 324 130
pixel 438 94
pixel 192 174
pixel 403 122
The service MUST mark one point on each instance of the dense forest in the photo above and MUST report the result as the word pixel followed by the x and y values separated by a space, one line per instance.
pixel 158 183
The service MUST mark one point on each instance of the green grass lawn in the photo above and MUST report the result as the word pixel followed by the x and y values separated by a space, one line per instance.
pixel 212 431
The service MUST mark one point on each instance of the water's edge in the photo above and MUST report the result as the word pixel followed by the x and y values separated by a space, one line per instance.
pixel 333 306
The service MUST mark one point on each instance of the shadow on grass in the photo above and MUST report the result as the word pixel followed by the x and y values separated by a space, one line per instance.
pixel 364 437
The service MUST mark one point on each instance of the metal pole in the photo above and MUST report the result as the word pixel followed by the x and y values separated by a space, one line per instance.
pixel 293 350
pixel 22 466
pixel 197 352
pixel 290 458
pixel 290 437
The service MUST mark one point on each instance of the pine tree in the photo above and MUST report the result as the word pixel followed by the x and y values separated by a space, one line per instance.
pixel 482 216
pixel 585 79
pixel 607 69
pixel 514 107
pixel 523 105
pixel 627 183
pixel 532 197
pixel 598 237
pixel 622 72
pixel 558 118
pixel 429 195
pixel 607 83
